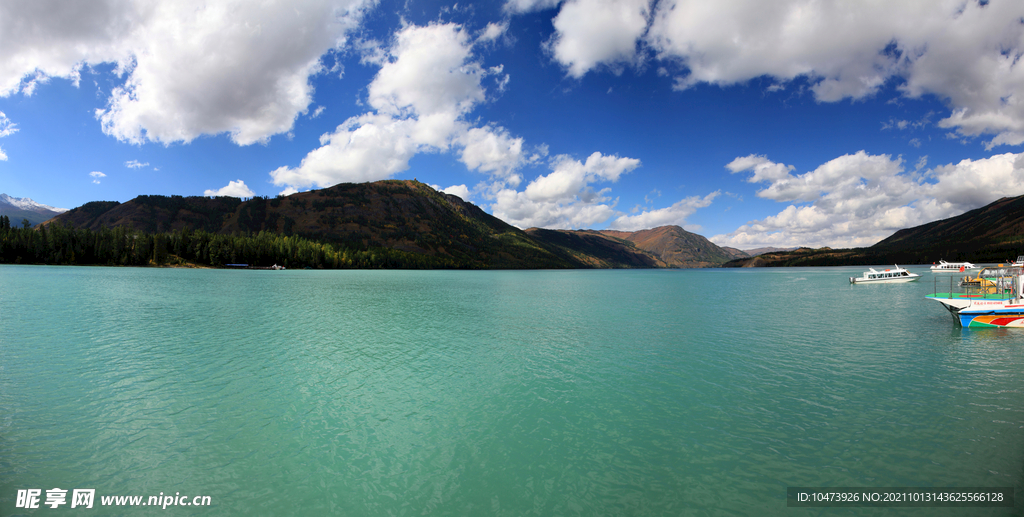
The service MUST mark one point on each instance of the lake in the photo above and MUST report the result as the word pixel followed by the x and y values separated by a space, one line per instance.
pixel 606 392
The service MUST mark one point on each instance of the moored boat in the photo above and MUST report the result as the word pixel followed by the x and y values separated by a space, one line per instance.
pixel 952 267
pixel 997 305
pixel 888 276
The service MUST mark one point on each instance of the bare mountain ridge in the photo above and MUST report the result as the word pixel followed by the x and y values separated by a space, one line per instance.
pixel 664 246
pixel 676 247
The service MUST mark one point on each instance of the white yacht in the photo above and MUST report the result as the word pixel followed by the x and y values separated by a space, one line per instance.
pixel 888 276
pixel 952 267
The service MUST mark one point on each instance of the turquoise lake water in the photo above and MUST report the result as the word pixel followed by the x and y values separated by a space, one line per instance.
pixel 653 392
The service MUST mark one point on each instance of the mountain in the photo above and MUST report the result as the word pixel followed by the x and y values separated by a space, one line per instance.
pixel 993 233
pixel 593 249
pixel 990 233
pixel 676 247
pixel 406 216
pixel 736 253
pixel 762 251
pixel 18 208
pixel 665 246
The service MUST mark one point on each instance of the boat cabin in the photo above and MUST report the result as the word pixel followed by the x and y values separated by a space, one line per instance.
pixel 875 275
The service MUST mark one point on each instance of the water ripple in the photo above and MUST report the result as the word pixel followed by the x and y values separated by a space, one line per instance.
pixel 497 393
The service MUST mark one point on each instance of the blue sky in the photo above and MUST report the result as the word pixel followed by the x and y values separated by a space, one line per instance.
pixel 753 123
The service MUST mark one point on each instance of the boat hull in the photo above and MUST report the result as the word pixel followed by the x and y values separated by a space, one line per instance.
pixel 979 311
pixel 1009 318
pixel 898 280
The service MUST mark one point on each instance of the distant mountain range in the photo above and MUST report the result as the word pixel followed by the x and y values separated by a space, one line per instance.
pixel 20 208
pixel 665 246
pixel 762 251
pixel 993 233
pixel 407 216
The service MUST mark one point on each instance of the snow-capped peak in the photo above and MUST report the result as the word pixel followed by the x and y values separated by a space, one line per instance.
pixel 25 203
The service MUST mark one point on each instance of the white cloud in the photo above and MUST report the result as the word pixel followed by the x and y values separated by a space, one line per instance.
pixel 235 188
pixel 764 169
pixel 859 199
pixel 430 72
pixel 428 82
pixel 964 52
pixel 96 175
pixel 135 164
pixel 253 86
pixel 593 32
pixel 458 190
pixel 7 128
pixel 493 31
pixel 528 6
pixel 674 215
pixel 365 148
pixel 493 151
pixel 565 198
pixel 848 171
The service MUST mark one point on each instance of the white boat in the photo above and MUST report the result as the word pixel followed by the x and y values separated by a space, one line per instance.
pixel 952 267
pixel 888 276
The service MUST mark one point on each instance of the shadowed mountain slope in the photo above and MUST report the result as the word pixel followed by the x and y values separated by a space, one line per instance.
pixel 993 233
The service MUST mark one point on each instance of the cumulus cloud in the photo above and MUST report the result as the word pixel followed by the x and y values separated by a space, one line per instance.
pixel 365 148
pixel 859 199
pixel 428 83
pixel 565 198
pixel 964 52
pixel 96 175
pixel 492 150
pixel 135 164
pixel 235 188
pixel 253 87
pixel 457 190
pixel 593 32
pixel 430 72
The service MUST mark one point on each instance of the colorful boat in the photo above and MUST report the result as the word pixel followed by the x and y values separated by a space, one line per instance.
pixel 952 267
pixel 972 307
pixel 888 276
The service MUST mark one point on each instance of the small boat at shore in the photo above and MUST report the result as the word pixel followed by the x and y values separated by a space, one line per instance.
pixel 999 304
pixel 952 267
pixel 888 276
